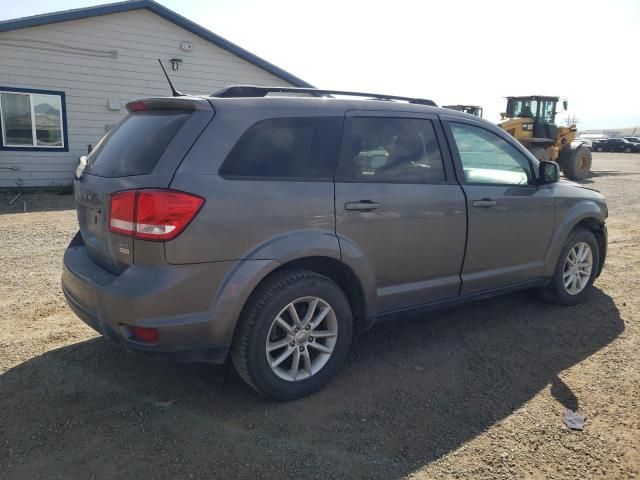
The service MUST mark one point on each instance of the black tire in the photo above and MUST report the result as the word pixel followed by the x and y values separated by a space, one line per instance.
pixel 577 164
pixel 600 149
pixel 249 351
pixel 556 292
pixel 627 150
pixel 540 153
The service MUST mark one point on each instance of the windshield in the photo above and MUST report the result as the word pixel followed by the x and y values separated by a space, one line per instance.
pixel 540 110
pixel 547 111
pixel 522 107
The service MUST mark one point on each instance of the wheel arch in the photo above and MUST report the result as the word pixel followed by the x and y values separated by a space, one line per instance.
pixel 584 215
pixel 261 271
pixel 321 254
pixel 341 274
pixel 598 228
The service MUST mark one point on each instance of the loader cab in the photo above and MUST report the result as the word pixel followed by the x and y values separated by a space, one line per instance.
pixel 541 109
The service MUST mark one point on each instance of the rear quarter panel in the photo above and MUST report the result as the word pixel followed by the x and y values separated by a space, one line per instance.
pixel 255 220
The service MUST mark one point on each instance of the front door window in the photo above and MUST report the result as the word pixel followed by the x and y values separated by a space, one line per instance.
pixel 489 159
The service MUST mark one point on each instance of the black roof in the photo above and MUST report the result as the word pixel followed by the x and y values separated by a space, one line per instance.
pixel 535 97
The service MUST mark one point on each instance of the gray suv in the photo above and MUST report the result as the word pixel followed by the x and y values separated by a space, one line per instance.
pixel 269 229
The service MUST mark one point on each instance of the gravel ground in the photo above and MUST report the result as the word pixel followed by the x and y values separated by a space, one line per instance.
pixel 476 391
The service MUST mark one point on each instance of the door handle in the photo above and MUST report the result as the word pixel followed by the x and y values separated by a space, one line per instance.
pixel 484 203
pixel 362 206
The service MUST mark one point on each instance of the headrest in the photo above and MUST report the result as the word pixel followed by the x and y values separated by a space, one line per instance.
pixel 408 145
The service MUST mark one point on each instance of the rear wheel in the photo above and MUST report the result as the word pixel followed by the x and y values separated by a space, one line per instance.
pixel 540 153
pixel 575 271
pixel 576 164
pixel 293 336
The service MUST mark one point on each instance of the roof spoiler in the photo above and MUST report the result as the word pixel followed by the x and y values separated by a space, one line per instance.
pixel 237 91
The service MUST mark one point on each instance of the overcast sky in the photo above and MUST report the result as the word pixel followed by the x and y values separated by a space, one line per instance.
pixel 453 51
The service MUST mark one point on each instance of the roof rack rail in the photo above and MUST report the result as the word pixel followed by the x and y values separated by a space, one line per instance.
pixel 235 91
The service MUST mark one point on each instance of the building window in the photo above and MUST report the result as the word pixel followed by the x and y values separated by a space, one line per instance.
pixel 32 120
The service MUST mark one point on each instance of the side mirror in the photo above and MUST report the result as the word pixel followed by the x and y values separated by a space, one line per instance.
pixel 549 172
pixel 565 104
pixel 503 115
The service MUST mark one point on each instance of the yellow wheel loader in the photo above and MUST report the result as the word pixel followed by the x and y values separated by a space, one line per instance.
pixel 531 120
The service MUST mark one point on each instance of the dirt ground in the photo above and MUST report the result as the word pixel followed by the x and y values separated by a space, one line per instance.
pixel 472 392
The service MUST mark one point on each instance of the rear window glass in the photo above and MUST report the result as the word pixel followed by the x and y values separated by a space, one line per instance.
pixel 297 148
pixel 136 144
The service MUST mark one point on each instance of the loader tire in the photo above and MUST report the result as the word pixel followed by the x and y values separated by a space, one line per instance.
pixel 577 164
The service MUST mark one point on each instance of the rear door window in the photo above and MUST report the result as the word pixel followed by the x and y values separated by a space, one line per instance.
pixel 136 144
pixel 391 150
pixel 286 148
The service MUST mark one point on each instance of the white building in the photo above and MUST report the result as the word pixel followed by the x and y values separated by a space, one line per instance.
pixel 66 76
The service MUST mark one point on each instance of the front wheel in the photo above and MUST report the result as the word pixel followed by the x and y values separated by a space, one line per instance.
pixel 575 271
pixel 576 163
pixel 293 336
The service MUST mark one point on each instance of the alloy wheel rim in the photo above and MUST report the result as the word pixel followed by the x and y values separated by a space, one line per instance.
pixel 301 339
pixel 577 268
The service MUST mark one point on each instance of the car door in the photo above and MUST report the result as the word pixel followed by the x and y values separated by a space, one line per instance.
pixel 613 145
pixel 511 218
pixel 397 203
pixel 618 145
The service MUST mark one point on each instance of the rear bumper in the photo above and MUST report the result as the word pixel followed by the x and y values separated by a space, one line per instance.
pixel 177 300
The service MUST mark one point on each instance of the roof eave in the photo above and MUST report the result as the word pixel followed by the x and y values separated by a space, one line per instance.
pixel 150 5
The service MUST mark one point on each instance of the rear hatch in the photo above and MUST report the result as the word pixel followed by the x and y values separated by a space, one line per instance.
pixel 142 152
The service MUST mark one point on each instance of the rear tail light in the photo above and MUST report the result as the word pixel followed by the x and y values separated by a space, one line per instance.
pixel 121 212
pixel 152 214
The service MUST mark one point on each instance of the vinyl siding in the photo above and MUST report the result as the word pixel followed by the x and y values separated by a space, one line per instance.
pixel 75 57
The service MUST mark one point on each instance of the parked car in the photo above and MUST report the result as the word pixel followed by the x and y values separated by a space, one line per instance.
pixel 615 145
pixel 272 230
